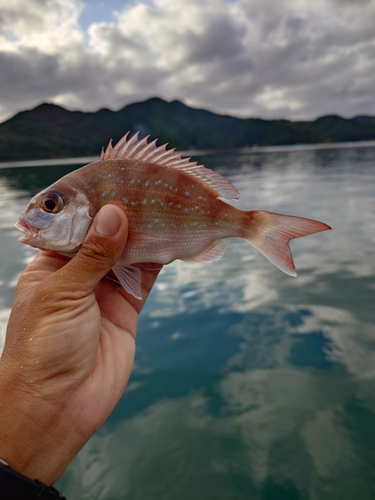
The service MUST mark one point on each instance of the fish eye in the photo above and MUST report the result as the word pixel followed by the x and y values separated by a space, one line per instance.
pixel 52 202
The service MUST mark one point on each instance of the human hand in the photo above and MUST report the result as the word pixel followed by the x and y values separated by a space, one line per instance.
pixel 69 351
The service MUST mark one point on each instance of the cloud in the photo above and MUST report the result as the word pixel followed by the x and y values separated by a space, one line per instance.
pixel 292 58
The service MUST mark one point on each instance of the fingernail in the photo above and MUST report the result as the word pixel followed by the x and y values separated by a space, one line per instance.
pixel 107 222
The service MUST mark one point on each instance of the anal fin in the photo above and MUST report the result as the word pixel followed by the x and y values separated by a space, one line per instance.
pixel 214 252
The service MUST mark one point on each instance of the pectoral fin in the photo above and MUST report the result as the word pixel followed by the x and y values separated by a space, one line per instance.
pixel 130 278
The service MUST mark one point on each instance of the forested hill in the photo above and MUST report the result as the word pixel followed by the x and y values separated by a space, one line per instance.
pixel 50 131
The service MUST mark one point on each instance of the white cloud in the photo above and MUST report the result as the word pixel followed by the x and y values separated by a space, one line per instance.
pixel 292 58
pixel 45 25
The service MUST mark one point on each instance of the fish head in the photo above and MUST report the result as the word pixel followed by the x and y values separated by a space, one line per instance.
pixel 57 218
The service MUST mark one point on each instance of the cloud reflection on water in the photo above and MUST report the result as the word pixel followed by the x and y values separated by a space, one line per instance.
pixel 247 383
pixel 280 421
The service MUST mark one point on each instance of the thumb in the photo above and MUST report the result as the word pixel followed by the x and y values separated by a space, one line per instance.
pixel 101 249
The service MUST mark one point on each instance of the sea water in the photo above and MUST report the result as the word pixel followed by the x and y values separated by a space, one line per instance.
pixel 247 384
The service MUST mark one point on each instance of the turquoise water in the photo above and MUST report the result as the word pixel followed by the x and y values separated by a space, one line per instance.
pixel 248 384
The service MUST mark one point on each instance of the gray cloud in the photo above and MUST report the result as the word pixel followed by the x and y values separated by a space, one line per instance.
pixel 222 39
pixel 292 59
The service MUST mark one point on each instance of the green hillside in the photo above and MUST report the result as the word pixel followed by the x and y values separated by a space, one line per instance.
pixel 50 131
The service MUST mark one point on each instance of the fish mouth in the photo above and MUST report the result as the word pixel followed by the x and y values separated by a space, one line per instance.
pixel 30 233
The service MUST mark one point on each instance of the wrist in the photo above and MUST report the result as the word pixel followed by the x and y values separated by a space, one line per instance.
pixel 14 486
pixel 37 438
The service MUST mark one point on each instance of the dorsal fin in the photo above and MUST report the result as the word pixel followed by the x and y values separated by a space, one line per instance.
pixel 141 150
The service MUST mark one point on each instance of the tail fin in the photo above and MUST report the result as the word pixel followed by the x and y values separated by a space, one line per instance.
pixel 270 234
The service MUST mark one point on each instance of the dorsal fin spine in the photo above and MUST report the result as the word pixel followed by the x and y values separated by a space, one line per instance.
pixel 192 166
pixel 158 158
pixel 125 148
pixel 112 153
pixel 106 153
pixel 169 160
pixel 143 151
pixel 152 154
pixel 136 147
pixel 181 162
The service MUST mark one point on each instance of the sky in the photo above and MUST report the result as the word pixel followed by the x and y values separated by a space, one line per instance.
pixel 294 59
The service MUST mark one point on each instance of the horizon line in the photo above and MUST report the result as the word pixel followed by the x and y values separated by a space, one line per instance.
pixel 247 150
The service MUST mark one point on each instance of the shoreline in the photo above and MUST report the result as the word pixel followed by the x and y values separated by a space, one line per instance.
pixel 246 150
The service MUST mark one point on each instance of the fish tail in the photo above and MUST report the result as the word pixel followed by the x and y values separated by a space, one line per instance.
pixel 270 233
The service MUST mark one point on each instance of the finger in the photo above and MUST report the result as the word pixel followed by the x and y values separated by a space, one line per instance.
pixel 100 250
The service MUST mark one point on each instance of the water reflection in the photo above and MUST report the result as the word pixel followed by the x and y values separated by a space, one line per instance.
pixel 34 179
pixel 247 383
pixel 282 418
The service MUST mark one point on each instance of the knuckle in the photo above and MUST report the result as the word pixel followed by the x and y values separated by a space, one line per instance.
pixel 96 250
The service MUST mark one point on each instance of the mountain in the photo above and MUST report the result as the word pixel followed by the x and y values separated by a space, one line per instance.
pixel 50 131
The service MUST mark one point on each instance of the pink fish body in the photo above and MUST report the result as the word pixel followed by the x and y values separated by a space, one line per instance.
pixel 176 210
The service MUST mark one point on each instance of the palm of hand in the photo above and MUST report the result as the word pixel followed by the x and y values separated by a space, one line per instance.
pixel 83 340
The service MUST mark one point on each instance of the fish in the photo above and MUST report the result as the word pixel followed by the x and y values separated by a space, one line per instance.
pixel 177 209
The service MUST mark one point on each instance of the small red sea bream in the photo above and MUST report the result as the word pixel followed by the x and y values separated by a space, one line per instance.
pixel 176 209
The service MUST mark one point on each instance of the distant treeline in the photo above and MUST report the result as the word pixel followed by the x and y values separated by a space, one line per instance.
pixel 50 131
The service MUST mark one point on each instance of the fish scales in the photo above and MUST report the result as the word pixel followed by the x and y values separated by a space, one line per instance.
pixel 176 210
pixel 163 203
